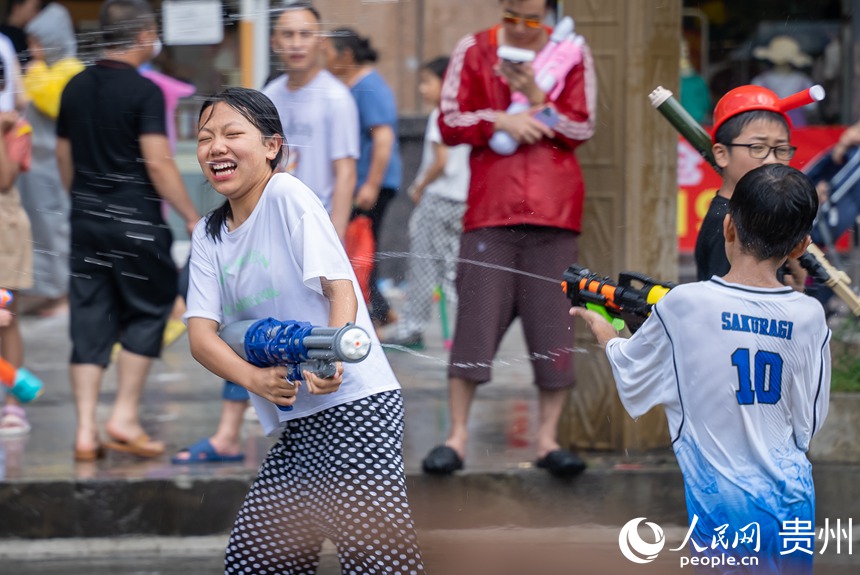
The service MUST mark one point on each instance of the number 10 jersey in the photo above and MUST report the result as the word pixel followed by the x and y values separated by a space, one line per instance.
pixel 744 376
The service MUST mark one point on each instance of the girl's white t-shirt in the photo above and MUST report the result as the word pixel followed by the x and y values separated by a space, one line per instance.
pixel 270 266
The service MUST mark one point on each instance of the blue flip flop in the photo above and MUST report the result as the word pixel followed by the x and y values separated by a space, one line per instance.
pixel 204 452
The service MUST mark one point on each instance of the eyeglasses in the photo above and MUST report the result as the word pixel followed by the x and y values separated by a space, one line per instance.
pixel 761 151
pixel 514 19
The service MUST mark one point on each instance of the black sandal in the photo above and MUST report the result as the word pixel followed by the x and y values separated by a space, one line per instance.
pixel 562 463
pixel 442 460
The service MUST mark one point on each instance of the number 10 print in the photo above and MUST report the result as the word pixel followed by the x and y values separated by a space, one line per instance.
pixel 761 382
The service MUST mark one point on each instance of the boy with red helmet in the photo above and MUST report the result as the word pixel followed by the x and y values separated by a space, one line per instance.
pixel 751 128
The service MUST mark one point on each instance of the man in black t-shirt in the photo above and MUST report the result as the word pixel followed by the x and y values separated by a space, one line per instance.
pixel 114 158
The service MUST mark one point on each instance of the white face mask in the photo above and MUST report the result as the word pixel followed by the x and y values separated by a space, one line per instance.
pixel 156 48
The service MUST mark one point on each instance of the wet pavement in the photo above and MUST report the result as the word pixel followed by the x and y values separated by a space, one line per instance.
pixel 182 404
pixel 499 516
pixel 502 551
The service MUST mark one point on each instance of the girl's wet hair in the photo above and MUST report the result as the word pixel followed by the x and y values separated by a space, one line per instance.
pixel 259 110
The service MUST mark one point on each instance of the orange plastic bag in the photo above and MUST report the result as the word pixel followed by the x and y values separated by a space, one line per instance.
pixel 361 250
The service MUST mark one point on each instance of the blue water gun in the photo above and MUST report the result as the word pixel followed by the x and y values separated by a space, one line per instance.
pixel 297 345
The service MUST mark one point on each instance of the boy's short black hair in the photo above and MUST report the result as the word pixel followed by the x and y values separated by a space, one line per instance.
pixel 437 66
pixel 732 128
pixel 773 207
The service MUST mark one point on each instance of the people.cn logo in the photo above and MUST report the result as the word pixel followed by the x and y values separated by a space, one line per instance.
pixel 634 547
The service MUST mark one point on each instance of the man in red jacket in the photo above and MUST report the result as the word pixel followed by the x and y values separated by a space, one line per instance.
pixel 522 220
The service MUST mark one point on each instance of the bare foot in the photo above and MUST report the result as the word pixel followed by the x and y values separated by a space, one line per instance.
pixel 133 439
pixel 86 442
pixel 458 445
pixel 546 446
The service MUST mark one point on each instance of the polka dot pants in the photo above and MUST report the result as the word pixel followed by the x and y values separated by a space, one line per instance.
pixel 334 475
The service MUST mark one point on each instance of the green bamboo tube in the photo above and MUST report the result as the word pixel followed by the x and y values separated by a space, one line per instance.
pixel 665 103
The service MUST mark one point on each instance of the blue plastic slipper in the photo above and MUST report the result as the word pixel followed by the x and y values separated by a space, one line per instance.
pixel 204 452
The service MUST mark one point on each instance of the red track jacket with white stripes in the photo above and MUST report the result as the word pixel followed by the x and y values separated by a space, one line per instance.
pixel 540 184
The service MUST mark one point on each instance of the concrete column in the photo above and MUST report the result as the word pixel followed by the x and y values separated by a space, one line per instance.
pixel 631 188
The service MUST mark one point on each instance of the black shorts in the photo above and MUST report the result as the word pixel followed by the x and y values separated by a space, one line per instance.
pixel 122 288
pixel 514 272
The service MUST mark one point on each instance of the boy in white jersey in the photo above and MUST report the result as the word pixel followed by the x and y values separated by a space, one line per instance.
pixel 741 365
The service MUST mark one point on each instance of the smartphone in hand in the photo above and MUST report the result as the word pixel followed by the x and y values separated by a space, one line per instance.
pixel 547 116
pixel 515 55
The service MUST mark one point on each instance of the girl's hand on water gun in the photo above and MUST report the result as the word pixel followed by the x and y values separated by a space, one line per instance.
pixel 321 386
pixel 271 383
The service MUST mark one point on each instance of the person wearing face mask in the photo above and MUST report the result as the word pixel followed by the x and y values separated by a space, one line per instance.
pixel 115 160
pixel 53 63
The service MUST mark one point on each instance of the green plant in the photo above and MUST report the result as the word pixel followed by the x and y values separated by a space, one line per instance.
pixel 845 354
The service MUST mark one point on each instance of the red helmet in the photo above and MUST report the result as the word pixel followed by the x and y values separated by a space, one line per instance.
pixel 747 98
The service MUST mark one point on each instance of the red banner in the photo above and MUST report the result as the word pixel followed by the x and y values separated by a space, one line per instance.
pixel 698 182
